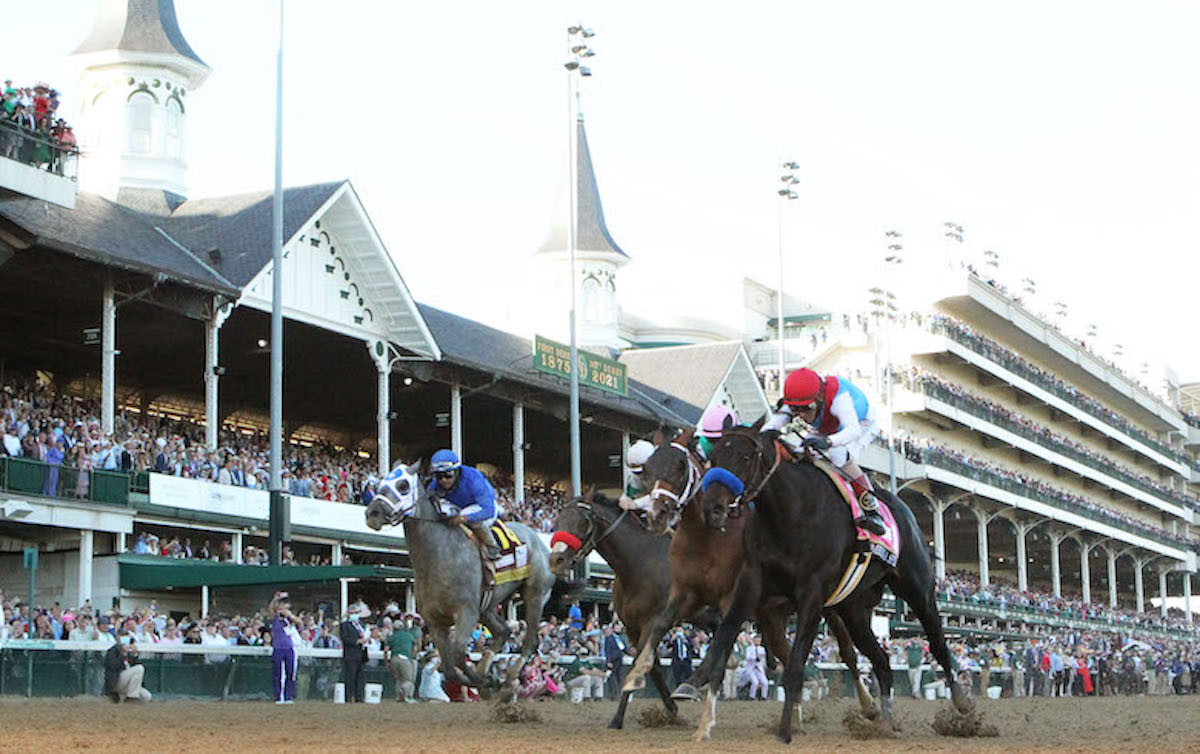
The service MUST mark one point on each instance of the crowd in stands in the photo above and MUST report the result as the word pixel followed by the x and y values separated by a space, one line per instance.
pixel 149 543
pixel 967 336
pixel 29 129
pixel 1191 419
pixel 937 387
pixel 926 451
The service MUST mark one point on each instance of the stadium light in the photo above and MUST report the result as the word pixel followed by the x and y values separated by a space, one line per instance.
pixel 786 194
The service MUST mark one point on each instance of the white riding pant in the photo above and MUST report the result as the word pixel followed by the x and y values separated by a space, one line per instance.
pixel 840 454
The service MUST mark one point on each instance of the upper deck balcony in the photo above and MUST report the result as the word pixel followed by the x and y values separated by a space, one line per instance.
pixel 37 167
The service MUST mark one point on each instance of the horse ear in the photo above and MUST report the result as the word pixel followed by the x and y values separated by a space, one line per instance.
pixel 728 423
pixel 589 494
pixel 758 424
pixel 686 436
pixel 658 438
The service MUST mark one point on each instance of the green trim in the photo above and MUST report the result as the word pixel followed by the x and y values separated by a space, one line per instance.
pixel 800 319
pixel 153 573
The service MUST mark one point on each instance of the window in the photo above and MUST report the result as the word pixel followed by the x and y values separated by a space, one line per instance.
pixel 174 130
pixel 139 112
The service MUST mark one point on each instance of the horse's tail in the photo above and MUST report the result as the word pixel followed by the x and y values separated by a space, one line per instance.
pixel 561 594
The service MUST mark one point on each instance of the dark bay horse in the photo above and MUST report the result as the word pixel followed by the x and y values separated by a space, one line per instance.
pixel 704 566
pixel 798 545
pixel 639 561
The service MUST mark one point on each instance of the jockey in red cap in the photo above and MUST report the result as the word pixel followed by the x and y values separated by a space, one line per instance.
pixel 843 422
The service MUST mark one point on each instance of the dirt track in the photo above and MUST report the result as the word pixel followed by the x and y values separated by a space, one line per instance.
pixel 1169 724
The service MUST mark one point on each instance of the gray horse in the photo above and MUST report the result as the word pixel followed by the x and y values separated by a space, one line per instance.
pixel 448 575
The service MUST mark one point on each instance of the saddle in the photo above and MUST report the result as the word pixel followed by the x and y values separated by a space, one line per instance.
pixel 886 547
pixel 513 563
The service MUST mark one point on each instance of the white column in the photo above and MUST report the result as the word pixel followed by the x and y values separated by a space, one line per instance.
pixel 121 544
pixel 235 544
pixel 1162 592
pixel 939 537
pixel 86 538
pixel 335 557
pixel 1085 572
pixel 1138 585
pixel 518 431
pixel 1055 570
pixel 512 611
pixel 1187 596
pixel 212 359
pixel 624 460
pixel 204 601
pixel 982 521
pixel 1112 579
pixel 108 359
pixel 410 598
pixel 344 597
pixel 1022 558
pixel 381 418
pixel 456 442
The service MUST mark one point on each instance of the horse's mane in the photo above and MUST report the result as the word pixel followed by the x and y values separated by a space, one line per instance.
pixel 597 498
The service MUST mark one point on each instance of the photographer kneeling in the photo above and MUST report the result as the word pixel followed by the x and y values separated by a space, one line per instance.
pixel 123 672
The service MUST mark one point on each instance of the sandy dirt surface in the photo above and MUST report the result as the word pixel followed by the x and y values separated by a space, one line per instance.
pixel 1168 724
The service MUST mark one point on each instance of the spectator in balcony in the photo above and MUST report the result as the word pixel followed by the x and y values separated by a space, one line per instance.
pixel 11 442
pixel 54 457
pixel 123 673
pixel 40 149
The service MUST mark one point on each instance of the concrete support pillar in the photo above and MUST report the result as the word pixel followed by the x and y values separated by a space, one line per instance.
pixel 512 611
pixel 1139 585
pixel 86 540
pixel 382 420
pixel 982 523
pixel 1055 569
pixel 212 359
pixel 456 440
pixel 335 556
pixel 204 601
pixel 1021 530
pixel 939 537
pixel 410 598
pixel 518 450
pixel 343 597
pixel 1085 572
pixel 624 460
pixel 1112 579
pixel 108 359
pixel 236 545
pixel 1187 596
pixel 1162 592
pixel 122 545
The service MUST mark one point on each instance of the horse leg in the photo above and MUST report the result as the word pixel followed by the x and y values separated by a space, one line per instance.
pixel 771 626
pixel 807 617
pixel 450 654
pixel 858 621
pixel 924 605
pixel 647 651
pixel 849 656
pixel 500 634
pixel 464 623
pixel 746 593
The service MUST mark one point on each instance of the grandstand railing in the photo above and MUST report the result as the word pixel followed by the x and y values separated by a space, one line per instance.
pixel 936 457
pixel 1019 366
pixel 973 407
pixel 33 149
pixel 30 477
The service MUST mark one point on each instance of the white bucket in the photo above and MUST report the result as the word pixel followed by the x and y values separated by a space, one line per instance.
pixel 373 693
pixel 931 693
pixel 806 695
pixel 339 693
pixel 993 692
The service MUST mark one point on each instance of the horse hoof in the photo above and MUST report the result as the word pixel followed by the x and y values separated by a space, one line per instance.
pixel 634 684
pixel 783 738
pixel 872 713
pixel 687 692
pixel 616 725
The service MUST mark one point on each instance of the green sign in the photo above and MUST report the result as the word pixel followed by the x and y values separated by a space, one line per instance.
pixel 598 372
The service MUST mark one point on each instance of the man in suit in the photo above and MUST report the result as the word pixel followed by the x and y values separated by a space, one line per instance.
pixel 354 650
pixel 681 656
pixel 614 658
pixel 123 672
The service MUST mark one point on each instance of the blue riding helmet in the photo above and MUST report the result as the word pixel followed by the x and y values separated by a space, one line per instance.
pixel 445 460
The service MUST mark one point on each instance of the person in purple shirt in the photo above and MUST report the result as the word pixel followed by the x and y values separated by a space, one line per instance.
pixel 285 637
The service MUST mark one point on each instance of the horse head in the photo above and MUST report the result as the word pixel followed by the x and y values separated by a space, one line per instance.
pixel 675 471
pixel 739 464
pixel 397 499
pixel 574 533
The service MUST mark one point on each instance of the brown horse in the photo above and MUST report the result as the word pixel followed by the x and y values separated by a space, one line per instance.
pixel 704 565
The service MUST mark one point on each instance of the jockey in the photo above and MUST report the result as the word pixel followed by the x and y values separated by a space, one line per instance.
pixel 844 423
pixel 636 495
pixel 469 494
pixel 712 424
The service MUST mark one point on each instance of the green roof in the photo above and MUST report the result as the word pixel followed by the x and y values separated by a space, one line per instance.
pixel 151 573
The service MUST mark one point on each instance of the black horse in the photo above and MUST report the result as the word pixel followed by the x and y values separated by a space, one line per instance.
pixel 798 544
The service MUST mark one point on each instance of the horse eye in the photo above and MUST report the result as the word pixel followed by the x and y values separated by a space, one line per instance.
pixel 402 487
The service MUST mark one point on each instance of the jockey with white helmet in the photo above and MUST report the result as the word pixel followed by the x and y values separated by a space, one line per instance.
pixel 843 422
pixel 637 489
pixel 467 496
pixel 712 424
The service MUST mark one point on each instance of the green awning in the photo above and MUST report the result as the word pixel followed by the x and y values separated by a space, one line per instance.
pixel 801 319
pixel 152 573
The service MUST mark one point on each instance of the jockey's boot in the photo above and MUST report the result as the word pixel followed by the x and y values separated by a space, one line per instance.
pixel 870 518
pixel 484 538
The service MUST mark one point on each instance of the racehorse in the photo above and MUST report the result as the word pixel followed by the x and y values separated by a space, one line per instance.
pixel 448 575
pixel 704 564
pixel 798 544
pixel 637 558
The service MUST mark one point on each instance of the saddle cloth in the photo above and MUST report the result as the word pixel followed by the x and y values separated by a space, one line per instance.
pixel 885 547
pixel 513 563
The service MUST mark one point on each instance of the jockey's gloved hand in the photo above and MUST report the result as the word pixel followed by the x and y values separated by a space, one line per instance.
pixel 819 442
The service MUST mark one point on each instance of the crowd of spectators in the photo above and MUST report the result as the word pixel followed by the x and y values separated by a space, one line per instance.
pixel 926 451
pixel 64 431
pixel 30 130
pixel 941 389
pixel 967 336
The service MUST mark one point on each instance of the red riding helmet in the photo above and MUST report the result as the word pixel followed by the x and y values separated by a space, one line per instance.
pixel 802 388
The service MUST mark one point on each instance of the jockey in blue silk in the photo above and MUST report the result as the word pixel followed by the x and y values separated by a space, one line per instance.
pixel 468 495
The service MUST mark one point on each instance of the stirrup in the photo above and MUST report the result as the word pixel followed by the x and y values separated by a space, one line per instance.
pixel 872 522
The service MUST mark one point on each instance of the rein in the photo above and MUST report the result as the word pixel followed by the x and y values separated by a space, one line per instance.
pixel 592 540
pixel 683 498
pixel 753 490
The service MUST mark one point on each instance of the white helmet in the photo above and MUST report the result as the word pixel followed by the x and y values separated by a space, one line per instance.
pixel 639 453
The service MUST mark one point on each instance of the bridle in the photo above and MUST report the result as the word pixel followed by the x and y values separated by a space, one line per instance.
pixel 591 541
pixel 760 467
pixel 680 499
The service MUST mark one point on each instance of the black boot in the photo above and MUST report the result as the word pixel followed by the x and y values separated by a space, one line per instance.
pixel 484 537
pixel 872 522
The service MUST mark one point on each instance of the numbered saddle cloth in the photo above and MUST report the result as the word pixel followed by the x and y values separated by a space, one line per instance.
pixel 513 563
pixel 886 547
